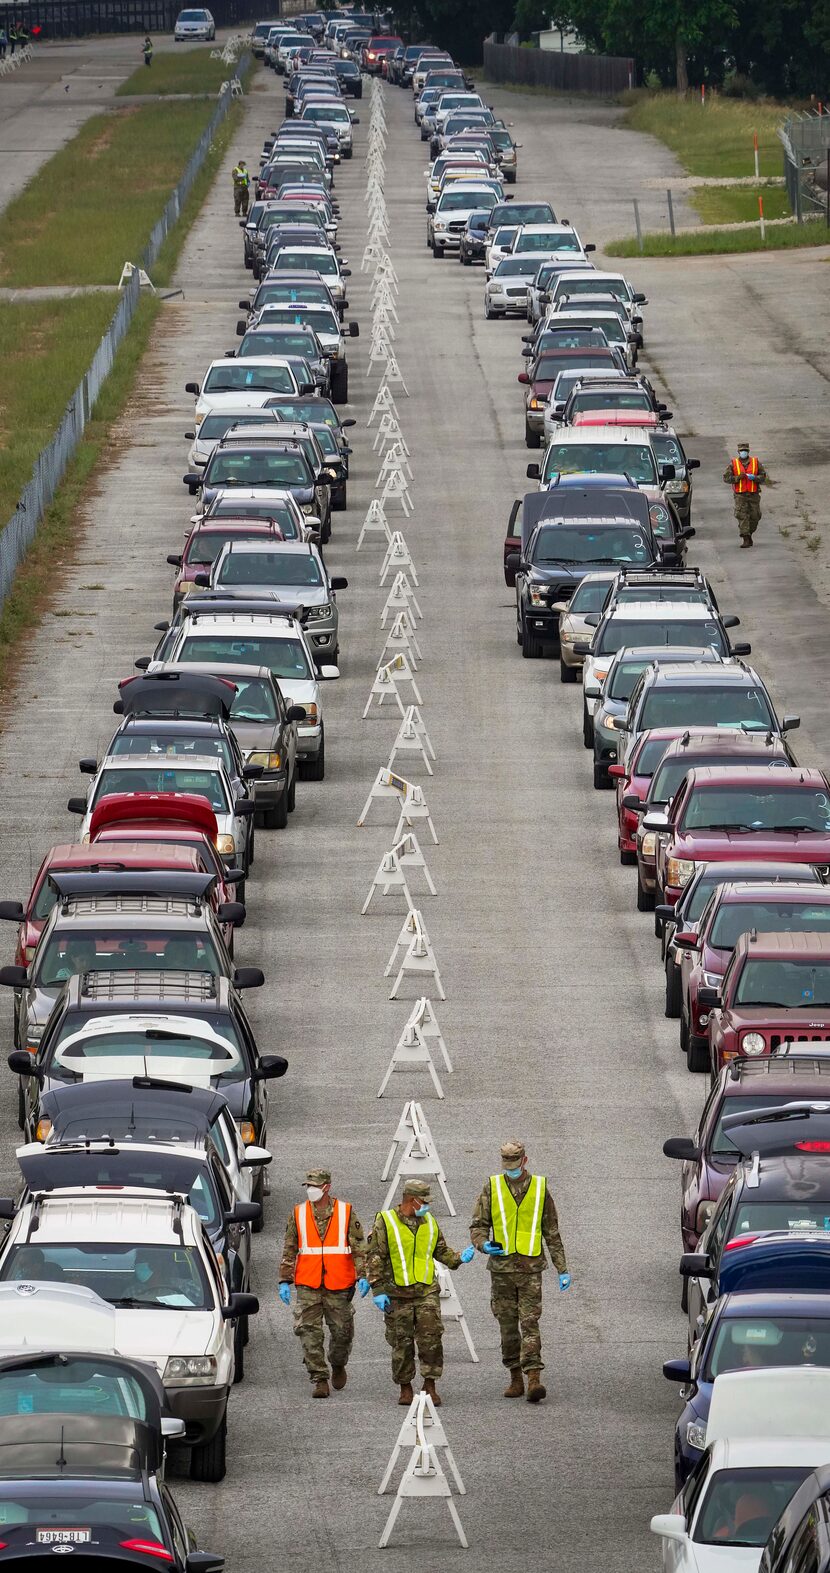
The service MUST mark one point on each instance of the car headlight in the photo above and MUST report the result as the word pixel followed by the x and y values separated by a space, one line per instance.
pixel 199 419
pixel 703 1214
pixel 696 1435
pixel 676 488
pixel 538 594
pixel 318 614
pixel 612 722
pixel 753 1043
pixel 307 507
pixel 190 1368
pixel 225 844
pixel 312 714
pixel 439 223
pixel 267 761
pixel 600 676
pixel 246 1131
pixel 712 980
pixel 648 844
pixel 536 404
pixel 42 1129
pixel 679 871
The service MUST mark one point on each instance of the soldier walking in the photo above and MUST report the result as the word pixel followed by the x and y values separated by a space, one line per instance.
pixel 241 182
pixel 324 1255
pixel 514 1214
pixel 746 475
pixel 404 1246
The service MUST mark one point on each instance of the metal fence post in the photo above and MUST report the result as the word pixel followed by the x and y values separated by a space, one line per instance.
pixel 637 222
pixel 671 212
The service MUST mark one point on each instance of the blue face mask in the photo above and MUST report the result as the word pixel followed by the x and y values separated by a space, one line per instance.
pixel 143 1272
pixel 421 1212
pixel 514 1174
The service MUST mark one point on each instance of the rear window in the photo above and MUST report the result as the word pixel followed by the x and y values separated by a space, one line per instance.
pixel 768 917
pixel 695 636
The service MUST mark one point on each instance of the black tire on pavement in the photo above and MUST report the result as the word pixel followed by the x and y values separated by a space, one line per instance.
pixel 674 997
pixel 645 898
pixel 315 769
pixel 208 1461
pixel 531 648
pixel 291 794
pixel 567 674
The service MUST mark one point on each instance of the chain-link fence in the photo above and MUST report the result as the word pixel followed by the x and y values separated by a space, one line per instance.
pixel 50 467
pixel 805 138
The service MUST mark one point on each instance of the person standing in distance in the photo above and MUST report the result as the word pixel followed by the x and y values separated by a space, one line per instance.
pixel 404 1246
pixel 746 475
pixel 513 1216
pixel 241 182
pixel 324 1255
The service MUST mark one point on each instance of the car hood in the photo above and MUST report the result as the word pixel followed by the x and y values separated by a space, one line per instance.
pixel 256 736
pixel 300 691
pixel 789 1020
pixel 156 1335
pixel 208 403
pixel 717 845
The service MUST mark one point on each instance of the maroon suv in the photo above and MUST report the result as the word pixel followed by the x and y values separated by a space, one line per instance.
pixel 728 813
pixel 733 910
pixel 775 991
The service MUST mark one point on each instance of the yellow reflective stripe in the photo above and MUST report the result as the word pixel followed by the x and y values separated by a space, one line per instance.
pixel 498 1186
pixel 390 1219
pixel 539 1184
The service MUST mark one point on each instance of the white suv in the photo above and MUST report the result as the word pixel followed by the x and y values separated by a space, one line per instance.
pixel 148 1257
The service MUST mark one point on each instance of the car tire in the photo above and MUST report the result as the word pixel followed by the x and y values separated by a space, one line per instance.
pixel 627 859
pixel 645 898
pixel 291 793
pixel 532 438
pixel 208 1461
pixel 567 674
pixel 315 769
pixel 238 1354
pixel 602 780
pixel 696 1049
pixel 674 996
pixel 437 251
pixel 338 499
pixel 340 384
pixel 21 1106
pixel 587 730
pixel 276 818
pixel 531 648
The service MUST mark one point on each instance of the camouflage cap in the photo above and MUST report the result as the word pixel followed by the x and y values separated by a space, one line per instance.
pixel 512 1153
pixel 419 1188
pixel 318 1177
pixel 743 444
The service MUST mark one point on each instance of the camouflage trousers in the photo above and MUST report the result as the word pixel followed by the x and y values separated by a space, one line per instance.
pixel 516 1303
pixel 314 1310
pixel 410 1322
pixel 747 511
pixel 240 202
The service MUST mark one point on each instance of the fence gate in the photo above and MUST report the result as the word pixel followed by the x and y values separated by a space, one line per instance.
pixel 805 138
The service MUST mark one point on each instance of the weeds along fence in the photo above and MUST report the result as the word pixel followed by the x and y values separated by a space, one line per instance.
pixel 50 467
pixel 606 75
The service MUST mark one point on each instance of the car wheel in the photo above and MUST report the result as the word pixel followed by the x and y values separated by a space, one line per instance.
pixel 340 384
pixel 276 818
pixel 315 769
pixel 21 1106
pixel 532 438
pixel 674 998
pixel 238 1354
pixel 587 730
pixel 567 674
pixel 684 1304
pixel 531 648
pixel 463 259
pixel 291 794
pixel 645 898
pixel 488 314
pixel 437 251
pixel 628 859
pixel 697 1051
pixel 602 780
pixel 208 1461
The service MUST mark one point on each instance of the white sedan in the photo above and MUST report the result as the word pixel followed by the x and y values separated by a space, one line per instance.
pixel 194 25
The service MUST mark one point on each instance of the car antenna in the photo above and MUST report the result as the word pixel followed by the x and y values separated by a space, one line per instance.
pixel 61 1461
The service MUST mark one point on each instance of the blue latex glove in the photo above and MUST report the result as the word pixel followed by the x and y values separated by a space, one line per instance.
pixel 285 1293
pixel 382 1301
pixel 564 1280
pixel 490 1248
pixel 468 1253
pixel 363 1286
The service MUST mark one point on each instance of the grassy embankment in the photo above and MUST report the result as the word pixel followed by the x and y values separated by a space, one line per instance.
pixel 184 70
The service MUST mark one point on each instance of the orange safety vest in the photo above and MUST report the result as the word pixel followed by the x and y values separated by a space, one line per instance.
pixel 326 1263
pixel 744 475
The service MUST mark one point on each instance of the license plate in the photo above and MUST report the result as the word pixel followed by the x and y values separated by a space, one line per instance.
pixel 62 1537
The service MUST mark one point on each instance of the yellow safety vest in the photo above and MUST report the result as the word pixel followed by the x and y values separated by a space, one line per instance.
pixel 412 1255
pixel 517 1229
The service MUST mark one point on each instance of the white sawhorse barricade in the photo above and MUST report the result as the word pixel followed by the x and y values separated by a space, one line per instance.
pixel 424 1475
pixel 418 958
pixel 416 1154
pixel 412 1048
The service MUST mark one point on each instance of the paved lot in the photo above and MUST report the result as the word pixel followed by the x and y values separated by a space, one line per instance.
pixel 554 1010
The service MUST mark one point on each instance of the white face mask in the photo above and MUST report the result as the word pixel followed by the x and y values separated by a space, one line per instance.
pixel 314 1193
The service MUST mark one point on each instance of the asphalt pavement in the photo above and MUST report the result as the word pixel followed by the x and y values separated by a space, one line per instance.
pixel 553 1015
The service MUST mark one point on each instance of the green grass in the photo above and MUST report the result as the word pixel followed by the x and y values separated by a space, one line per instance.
pixel 184 70
pixel 57 533
pixel 725 241
pixel 45 348
pixel 738 204
pixel 715 139
pixel 94 203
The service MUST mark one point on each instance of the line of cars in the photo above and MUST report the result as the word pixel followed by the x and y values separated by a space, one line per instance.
pixel 126 1259
pixel 730 836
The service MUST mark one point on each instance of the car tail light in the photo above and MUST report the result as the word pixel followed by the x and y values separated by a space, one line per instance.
pixel 148 1548
pixel 812 1146
pixel 741 1239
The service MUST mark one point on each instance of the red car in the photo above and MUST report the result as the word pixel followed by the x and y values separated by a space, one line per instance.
pixel 79 859
pixel 775 992
pixel 616 417
pixel 633 780
pixel 733 910
pixel 708 1157
pixel 205 542
pixel 731 812
pixel 376 50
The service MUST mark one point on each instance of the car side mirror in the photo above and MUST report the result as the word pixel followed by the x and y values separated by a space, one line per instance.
pixel 632 802
pixel 667 472
pixel 241 328
pixel 354 333
pixel 350 420
pixel 691 464
pixel 589 246
pixel 14 978
pixel 592 619
pixel 244 305
pixel 687 939
pixel 677 1370
pixel 582 647
pixel 523 378
pixel 640 299
pixel 656 820
pixel 295 713
pixel 617 771
pixel 252 772
pixel 192 387
pixel 244 1212
pixel 202 580
pixel 740 649
pixel 175 559
pixel 533 471
pixel 254 1157
pixel 328 672
pixel 244 807
pixel 730 621
pixel 12 911
pixel 24 1064
pixel 88 767
pixel 77 805
pixel 665 913
pixel 270 1067
pixel 141 665
pixel 190 436
pixel 339 583
pixel 192 480
pixel 248 978
pixel 681 1147
pixel 232 912
pixel 791 723
pixel 709 997
pixel 7 1207
pixel 527 352
pixel 239 1305
pixel 695 1265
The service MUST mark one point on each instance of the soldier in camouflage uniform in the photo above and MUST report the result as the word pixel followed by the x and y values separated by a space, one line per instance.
pixel 746 475
pixel 500 1227
pixel 317 1303
pixel 402 1248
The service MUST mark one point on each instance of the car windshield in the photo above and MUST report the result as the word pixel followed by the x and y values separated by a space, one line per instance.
pixel 591 285
pixel 174 745
pixel 618 632
pixel 117 1508
pixel 330 112
pixel 767 917
pixel 616 400
pixel 254 700
pixel 567 380
pixel 551 240
pixel 284 657
pixel 787 985
pixel 529 213
pixel 588 596
pixel 598 359
pixel 775 808
pixel 454 201
pixel 228 378
pixel 293 341
pixel 269 568
pixel 624 678
pixel 148 1277
pixel 205 545
pixel 694 705
pixel 155 1171
pixel 551 346
pixel 602 458
pixel 747 1343
pixel 513 268
pixel 316 411
pixel 167 778
pixel 793 1217
pixel 258 469
pixel 232 507
pixel 304 260
pixel 68 954
pixel 742 1505
pixel 667 450
pixel 83 1053
pixel 562 543
pixel 192 16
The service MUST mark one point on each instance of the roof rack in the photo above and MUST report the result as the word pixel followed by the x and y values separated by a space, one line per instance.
pixel 91 884
pixel 143 983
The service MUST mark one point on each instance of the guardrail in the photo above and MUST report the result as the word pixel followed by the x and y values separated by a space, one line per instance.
pixel 605 75
pixel 50 466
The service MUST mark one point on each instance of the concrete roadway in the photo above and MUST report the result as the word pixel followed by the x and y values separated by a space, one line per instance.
pixel 554 1010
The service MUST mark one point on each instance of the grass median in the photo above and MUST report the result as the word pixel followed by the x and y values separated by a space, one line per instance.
pixel 722 242
pixel 92 206
pixel 738 204
pixel 714 139
pixel 184 70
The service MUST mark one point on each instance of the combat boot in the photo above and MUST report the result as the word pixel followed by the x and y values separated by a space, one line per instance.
pixel 321 1388
pixel 339 1377
pixel 430 1388
pixel 407 1394
pixel 517 1385
pixel 536 1389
